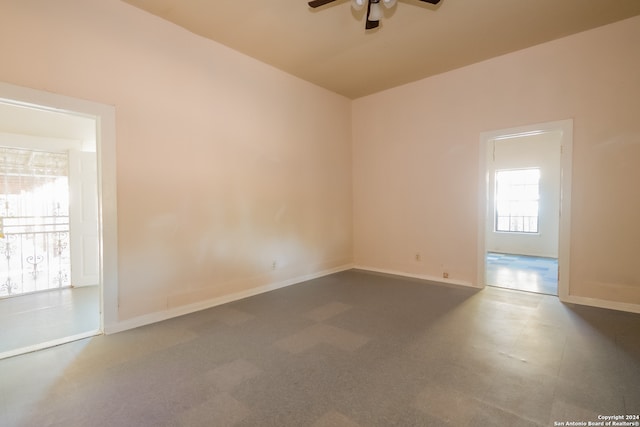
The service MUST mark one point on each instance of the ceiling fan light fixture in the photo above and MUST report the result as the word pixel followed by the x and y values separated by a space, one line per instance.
pixel 374 9
pixel 375 13
pixel 358 4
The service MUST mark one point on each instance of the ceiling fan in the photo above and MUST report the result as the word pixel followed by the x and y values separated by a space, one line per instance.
pixel 374 12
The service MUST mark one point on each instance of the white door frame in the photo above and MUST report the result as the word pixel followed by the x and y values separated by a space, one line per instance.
pixel 564 239
pixel 104 116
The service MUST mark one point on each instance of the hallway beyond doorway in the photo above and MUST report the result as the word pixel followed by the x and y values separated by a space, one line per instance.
pixel 48 317
pixel 524 273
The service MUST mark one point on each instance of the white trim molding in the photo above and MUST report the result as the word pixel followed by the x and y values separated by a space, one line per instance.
pixel 426 278
pixel 48 344
pixel 150 318
pixel 600 303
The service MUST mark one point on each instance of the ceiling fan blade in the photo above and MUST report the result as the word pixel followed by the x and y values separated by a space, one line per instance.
pixel 431 1
pixel 318 3
pixel 371 25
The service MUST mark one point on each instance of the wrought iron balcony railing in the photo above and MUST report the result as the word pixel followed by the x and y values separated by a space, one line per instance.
pixel 34 254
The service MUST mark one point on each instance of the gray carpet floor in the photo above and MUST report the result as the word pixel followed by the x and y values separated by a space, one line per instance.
pixel 350 349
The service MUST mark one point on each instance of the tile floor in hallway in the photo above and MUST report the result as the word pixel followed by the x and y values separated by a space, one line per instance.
pixel 521 272
pixel 31 319
pixel 350 349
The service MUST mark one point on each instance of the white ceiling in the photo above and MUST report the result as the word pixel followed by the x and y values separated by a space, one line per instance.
pixel 35 122
pixel 328 46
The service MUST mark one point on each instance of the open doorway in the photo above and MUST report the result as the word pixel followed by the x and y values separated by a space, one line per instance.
pixel 53 249
pixel 524 228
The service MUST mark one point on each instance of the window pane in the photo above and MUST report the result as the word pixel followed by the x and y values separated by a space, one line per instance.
pixel 516 201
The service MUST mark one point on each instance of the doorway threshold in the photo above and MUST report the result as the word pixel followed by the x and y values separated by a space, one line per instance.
pixel 48 344
pixel 47 319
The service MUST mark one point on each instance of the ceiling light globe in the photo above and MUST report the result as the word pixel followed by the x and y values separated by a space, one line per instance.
pixel 358 4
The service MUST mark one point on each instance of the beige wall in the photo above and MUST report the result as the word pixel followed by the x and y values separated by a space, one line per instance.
pixel 224 164
pixel 416 158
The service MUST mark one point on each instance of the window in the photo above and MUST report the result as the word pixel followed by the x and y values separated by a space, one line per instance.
pixel 517 200
pixel 34 221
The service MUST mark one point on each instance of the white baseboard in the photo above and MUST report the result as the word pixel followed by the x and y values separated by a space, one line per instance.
pixel 571 299
pixel 600 303
pixel 203 305
pixel 416 276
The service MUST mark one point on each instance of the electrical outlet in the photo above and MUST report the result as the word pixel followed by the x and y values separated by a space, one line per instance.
pixel 418 257
pixel 445 275
pixel 274 265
